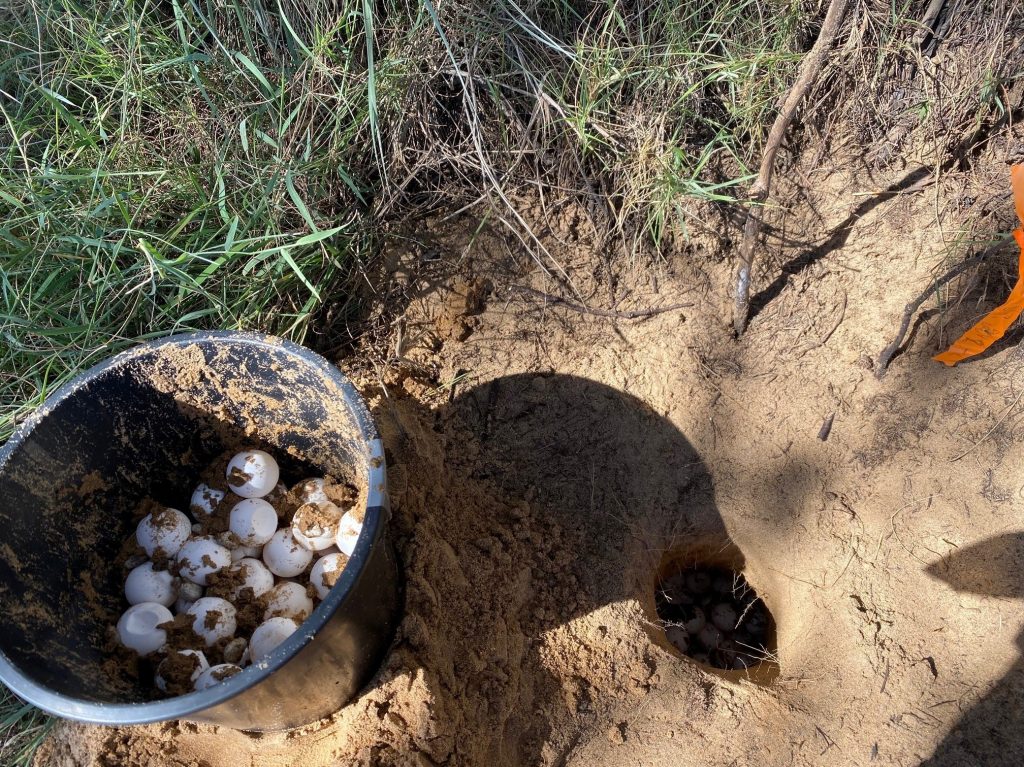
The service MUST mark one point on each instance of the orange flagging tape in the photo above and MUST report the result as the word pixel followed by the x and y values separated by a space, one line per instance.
pixel 993 325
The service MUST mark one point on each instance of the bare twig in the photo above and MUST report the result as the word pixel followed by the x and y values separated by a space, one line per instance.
pixel 627 315
pixel 988 434
pixel 882 364
pixel 761 188
pixel 835 326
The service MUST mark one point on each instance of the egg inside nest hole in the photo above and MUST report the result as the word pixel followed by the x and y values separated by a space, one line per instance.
pixel 710 614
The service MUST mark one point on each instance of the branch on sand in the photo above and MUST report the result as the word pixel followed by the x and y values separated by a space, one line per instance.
pixel 882 364
pixel 809 69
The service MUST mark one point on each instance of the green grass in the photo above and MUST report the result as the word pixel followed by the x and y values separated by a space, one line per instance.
pixel 169 166
pixel 22 729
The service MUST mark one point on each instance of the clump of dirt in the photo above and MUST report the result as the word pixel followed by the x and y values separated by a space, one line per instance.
pixel 180 633
pixel 178 671
pixel 312 519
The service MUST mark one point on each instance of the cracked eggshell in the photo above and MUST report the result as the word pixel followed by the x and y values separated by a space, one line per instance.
pixel 315 525
pixel 311 491
pixel 205 499
pixel 160 680
pixel 138 627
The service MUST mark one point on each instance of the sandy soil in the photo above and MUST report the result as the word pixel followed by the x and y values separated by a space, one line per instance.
pixel 543 463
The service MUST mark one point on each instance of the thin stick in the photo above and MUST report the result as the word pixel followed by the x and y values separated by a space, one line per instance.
pixel 988 434
pixel 809 69
pixel 889 351
pixel 629 315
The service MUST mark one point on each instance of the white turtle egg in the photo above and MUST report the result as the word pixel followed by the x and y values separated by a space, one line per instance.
pixel 163 531
pixel 214 675
pixel 326 571
pixel 188 592
pixel 241 552
pixel 315 525
pixel 252 521
pixel 254 575
pixel 200 557
pixel 234 650
pixel 144 584
pixel 679 637
pixel 349 529
pixel 710 636
pixel 311 491
pixel 164 670
pixel 215 619
pixel 288 600
pixel 137 628
pixel 252 473
pixel 205 499
pixel 285 556
pixel 723 615
pixel 268 635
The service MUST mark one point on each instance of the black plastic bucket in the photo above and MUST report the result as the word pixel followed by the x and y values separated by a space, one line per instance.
pixel 146 423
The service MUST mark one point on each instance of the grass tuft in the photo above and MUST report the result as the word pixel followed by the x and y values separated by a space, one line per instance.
pixel 22 729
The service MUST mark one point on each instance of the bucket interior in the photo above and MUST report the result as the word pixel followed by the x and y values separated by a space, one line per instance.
pixel 145 425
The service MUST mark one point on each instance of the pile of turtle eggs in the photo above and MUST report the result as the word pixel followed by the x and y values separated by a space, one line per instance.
pixel 713 616
pixel 192 584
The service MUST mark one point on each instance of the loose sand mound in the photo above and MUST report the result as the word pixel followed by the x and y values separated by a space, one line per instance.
pixel 543 463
